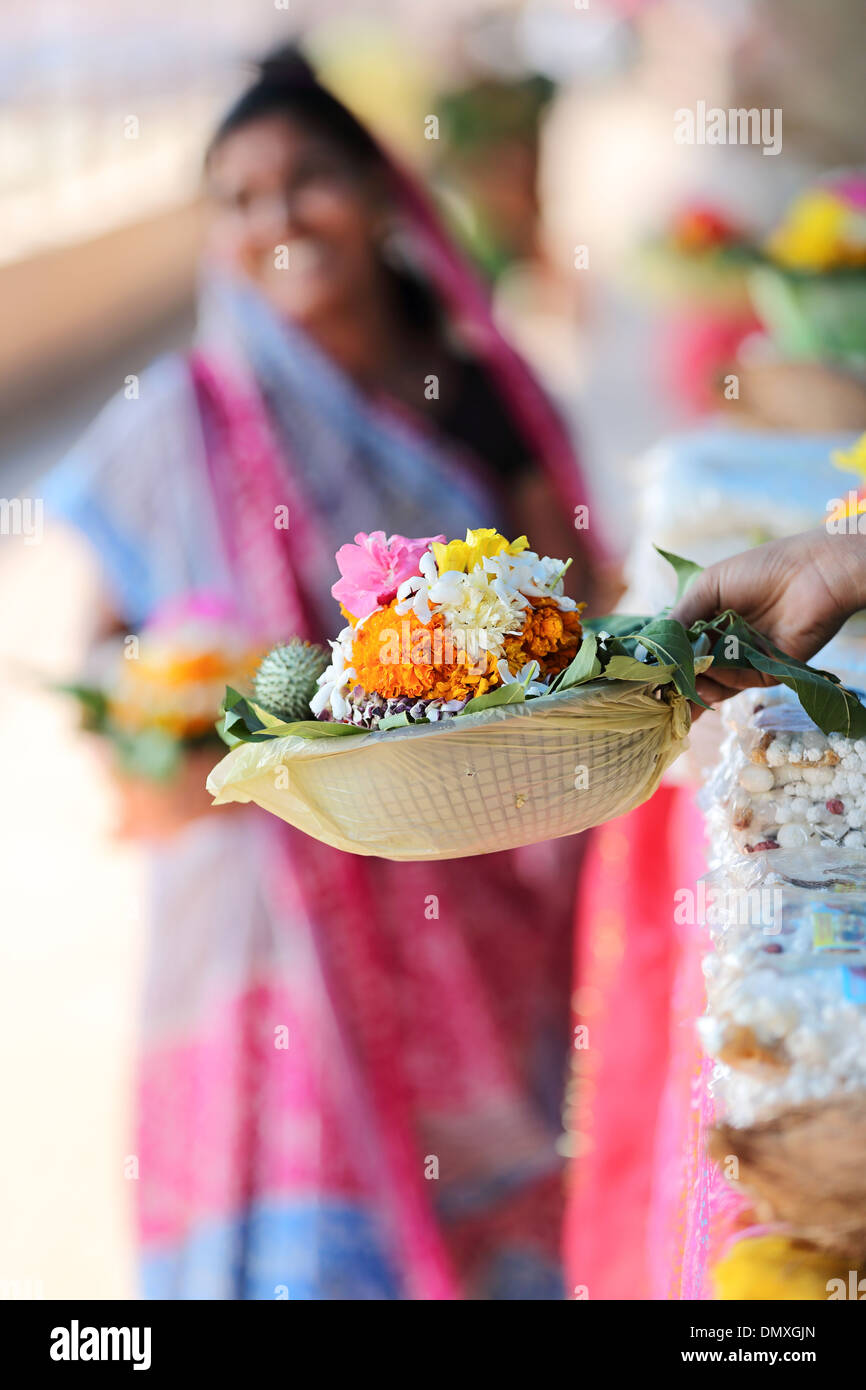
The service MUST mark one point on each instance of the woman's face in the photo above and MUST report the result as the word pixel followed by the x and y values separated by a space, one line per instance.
pixel 289 212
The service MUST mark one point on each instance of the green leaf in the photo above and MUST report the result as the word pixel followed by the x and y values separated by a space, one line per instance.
pixel 735 635
pixel 395 721
pixel 229 739
pixel 511 694
pixel 150 753
pixel 617 624
pixel 311 728
pixel 685 570
pixel 826 701
pixel 94 705
pixel 828 704
pixel 628 668
pixel 316 728
pixel 669 642
pixel 246 722
pixel 585 665
pixel 240 717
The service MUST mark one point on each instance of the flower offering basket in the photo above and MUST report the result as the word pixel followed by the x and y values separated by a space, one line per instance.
pixel 817 317
pixel 503 777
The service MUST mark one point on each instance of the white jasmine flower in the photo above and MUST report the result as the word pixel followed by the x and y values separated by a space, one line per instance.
pixel 479 616
pixel 531 575
pixel 525 677
pixel 413 594
pixel 337 678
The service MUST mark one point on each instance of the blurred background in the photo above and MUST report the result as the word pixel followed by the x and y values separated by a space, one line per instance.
pixel 555 163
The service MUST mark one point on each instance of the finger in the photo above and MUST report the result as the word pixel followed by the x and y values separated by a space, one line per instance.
pixel 702 598
pixel 734 678
pixel 712 692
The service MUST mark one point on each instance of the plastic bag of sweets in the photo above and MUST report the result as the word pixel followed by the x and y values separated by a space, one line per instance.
pixel 781 783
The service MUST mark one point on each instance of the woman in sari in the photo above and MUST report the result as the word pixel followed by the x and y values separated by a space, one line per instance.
pixel 351 1072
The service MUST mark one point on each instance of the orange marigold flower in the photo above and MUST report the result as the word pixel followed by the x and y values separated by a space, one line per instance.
pixel 396 654
pixel 550 637
pixel 178 692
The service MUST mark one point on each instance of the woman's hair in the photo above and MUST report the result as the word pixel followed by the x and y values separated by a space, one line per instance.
pixel 287 86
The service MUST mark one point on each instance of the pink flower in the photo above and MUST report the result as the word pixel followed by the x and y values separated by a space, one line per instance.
pixel 374 568
pixel 851 188
pixel 205 604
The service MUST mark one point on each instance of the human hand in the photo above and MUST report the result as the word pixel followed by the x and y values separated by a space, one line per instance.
pixel 148 810
pixel 798 592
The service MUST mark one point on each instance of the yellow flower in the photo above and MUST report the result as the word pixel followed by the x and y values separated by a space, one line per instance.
pixel 775 1267
pixel 855 460
pixel 815 234
pixel 852 506
pixel 479 545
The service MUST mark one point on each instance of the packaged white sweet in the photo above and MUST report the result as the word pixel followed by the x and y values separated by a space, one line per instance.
pixel 783 784
pixel 785 1022
pixel 786 980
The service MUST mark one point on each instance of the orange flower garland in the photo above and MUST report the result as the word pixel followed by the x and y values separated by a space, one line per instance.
pixel 394 654
pixel 549 637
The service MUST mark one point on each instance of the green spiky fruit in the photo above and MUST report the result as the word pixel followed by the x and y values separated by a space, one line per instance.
pixel 285 682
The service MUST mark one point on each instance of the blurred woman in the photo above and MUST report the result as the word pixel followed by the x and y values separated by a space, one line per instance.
pixel 352 1069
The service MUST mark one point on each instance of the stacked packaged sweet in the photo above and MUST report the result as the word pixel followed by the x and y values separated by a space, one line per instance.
pixel 783 784
pixel 785 1024
pixel 786 982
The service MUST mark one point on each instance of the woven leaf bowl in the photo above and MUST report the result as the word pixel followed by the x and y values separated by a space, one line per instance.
pixel 482 782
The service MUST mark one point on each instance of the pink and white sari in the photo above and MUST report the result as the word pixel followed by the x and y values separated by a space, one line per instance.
pixel 351 1075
